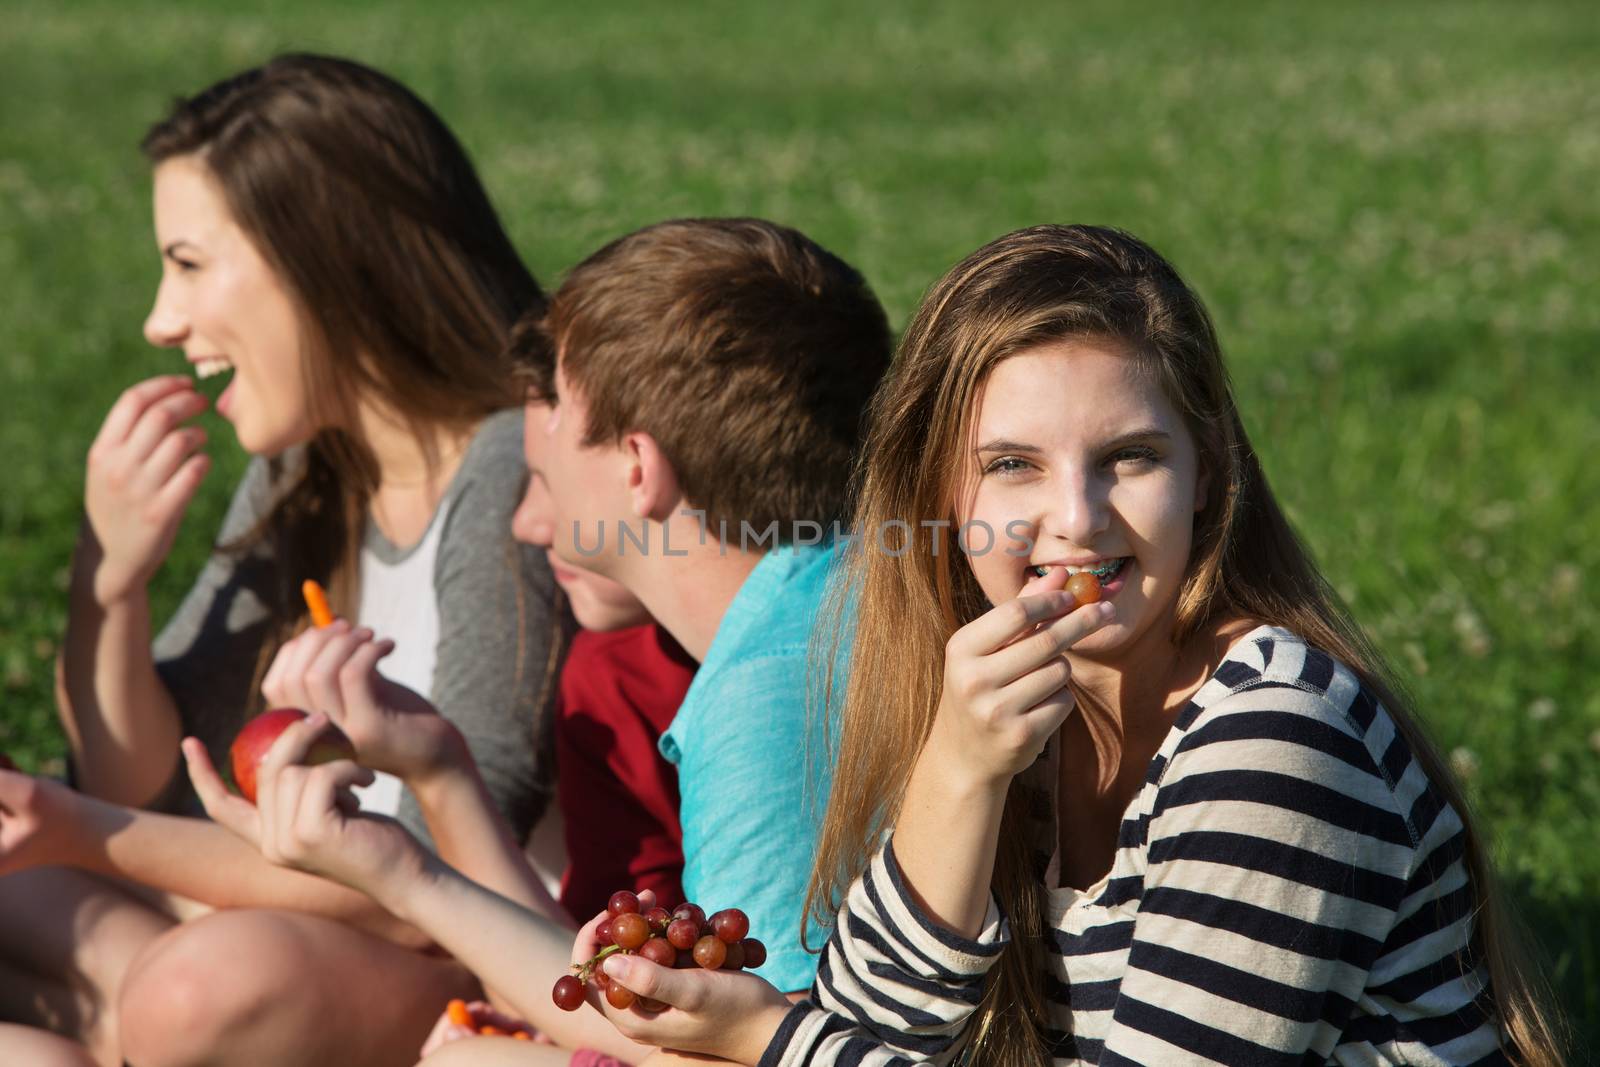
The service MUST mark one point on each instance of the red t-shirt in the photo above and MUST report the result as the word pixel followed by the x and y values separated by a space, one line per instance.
pixel 619 797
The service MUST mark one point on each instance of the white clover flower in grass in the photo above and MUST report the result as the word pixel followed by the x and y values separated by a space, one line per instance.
pixel 1495 516
pixel 1473 634
pixel 1464 761
pixel 18 672
pixel 1542 710
pixel 1565 579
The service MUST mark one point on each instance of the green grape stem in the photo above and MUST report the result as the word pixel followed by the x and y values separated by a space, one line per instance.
pixel 585 971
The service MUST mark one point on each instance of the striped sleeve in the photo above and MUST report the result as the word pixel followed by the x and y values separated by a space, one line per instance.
pixel 1278 860
pixel 1432 991
pixel 813 1035
pixel 893 987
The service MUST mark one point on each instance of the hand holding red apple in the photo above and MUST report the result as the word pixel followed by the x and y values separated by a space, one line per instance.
pixel 251 745
pixel 306 817
pixel 334 669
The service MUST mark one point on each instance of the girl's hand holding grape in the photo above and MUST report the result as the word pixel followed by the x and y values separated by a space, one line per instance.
pixel 675 980
pixel 1005 695
pixel 1006 676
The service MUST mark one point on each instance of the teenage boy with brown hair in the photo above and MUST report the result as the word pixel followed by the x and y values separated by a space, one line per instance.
pixel 701 418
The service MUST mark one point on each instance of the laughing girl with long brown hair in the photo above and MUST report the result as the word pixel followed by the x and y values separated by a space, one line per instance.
pixel 326 243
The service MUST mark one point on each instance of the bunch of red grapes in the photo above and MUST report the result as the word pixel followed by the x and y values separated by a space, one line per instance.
pixel 683 937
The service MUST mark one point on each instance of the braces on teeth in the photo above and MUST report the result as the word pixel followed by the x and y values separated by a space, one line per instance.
pixel 1103 572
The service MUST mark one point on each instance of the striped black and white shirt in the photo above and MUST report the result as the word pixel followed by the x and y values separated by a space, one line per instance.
pixel 1288 888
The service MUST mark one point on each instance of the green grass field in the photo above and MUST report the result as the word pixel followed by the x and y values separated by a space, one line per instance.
pixel 1391 210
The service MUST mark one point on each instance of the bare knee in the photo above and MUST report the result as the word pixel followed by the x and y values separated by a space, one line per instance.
pixel 204 984
pixel 36 1048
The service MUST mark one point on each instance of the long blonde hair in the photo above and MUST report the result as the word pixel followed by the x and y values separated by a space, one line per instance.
pixel 1034 286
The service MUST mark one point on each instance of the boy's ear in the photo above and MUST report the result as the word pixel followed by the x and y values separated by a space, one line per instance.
pixel 652 483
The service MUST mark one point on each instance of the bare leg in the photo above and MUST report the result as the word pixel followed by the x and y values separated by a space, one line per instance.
pixel 67 939
pixel 49 1014
pixel 28 999
pixel 505 1052
pixel 497 1052
pixel 24 1044
pixel 263 988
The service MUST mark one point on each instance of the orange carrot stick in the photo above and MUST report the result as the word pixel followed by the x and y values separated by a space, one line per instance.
pixel 459 1014
pixel 317 601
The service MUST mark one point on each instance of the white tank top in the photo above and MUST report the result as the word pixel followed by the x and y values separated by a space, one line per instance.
pixel 398 602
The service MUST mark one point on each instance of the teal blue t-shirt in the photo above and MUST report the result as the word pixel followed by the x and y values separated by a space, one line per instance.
pixel 751 771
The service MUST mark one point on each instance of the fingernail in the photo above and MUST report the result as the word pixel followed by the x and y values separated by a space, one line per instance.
pixel 615 966
pixel 1107 609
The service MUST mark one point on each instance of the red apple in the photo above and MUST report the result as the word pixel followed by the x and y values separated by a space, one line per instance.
pixel 250 747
